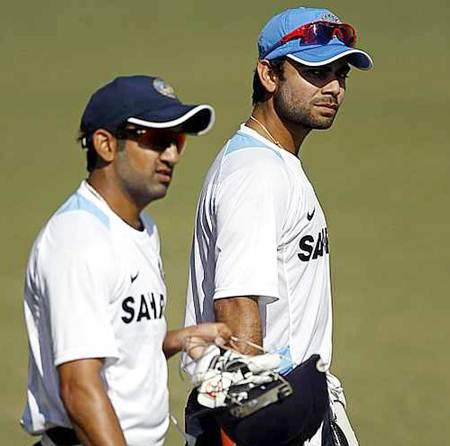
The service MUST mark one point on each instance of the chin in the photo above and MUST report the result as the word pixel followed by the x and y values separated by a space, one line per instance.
pixel 159 192
pixel 322 123
pixel 323 126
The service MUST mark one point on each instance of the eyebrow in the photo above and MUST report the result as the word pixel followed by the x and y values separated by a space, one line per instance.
pixel 324 68
pixel 327 68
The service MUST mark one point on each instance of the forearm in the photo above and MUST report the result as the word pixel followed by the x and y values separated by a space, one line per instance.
pixel 241 314
pixel 90 411
pixel 94 419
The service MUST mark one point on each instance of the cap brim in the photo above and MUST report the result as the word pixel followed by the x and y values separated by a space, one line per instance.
pixel 317 55
pixel 194 119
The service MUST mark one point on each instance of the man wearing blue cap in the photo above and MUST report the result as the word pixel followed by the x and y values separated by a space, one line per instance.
pixel 95 294
pixel 260 255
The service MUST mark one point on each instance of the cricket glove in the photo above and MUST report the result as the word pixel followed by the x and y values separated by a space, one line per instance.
pixel 224 377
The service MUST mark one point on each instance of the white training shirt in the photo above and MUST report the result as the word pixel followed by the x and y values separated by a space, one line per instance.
pixel 95 289
pixel 260 231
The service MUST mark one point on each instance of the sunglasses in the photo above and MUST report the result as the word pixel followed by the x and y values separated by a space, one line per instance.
pixel 319 33
pixel 156 139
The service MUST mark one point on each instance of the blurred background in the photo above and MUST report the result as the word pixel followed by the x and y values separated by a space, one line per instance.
pixel 381 173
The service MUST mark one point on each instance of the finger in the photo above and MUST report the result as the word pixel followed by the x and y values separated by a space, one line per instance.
pixel 220 341
pixel 224 331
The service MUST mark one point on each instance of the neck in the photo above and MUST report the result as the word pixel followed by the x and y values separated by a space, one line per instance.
pixel 267 123
pixel 118 200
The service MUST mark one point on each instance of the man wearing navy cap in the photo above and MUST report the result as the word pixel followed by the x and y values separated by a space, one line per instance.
pixel 95 294
pixel 260 255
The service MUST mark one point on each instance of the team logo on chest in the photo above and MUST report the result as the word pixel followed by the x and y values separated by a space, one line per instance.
pixel 312 247
pixel 146 307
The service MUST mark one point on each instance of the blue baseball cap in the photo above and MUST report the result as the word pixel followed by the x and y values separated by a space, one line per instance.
pixel 312 55
pixel 145 101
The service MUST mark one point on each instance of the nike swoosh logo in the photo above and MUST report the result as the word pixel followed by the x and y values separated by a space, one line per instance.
pixel 309 216
pixel 133 278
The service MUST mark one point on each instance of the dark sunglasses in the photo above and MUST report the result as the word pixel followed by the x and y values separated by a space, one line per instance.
pixel 155 139
pixel 319 33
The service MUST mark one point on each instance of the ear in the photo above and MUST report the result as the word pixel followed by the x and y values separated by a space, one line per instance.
pixel 268 78
pixel 105 144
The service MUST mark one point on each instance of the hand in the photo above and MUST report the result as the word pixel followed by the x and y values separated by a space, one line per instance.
pixel 194 339
pixel 199 337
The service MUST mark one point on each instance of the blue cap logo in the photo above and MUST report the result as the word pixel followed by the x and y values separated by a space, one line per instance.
pixel 162 87
pixel 330 17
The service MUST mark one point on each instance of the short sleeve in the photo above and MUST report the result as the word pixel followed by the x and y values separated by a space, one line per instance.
pixel 77 274
pixel 250 207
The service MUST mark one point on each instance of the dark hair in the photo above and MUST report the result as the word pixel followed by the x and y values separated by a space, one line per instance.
pixel 87 143
pixel 91 159
pixel 91 155
pixel 259 92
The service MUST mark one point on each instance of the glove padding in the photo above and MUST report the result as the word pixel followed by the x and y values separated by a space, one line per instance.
pixel 221 376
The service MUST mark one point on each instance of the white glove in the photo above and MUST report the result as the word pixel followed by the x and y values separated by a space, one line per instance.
pixel 216 373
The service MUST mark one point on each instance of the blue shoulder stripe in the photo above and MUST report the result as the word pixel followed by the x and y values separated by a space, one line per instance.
pixel 243 141
pixel 79 203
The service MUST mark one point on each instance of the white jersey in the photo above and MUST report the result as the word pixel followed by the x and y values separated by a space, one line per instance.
pixel 260 231
pixel 95 289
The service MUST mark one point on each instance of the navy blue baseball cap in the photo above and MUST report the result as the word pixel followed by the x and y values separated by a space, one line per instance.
pixel 271 45
pixel 144 101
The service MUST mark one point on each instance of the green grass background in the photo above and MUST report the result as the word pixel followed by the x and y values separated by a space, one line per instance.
pixel 382 174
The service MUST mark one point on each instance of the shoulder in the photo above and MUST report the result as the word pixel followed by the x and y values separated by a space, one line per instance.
pixel 245 145
pixel 78 227
pixel 247 164
pixel 79 208
pixel 249 155
pixel 260 164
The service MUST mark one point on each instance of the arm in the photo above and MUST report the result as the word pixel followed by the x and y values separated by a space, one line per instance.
pixel 193 339
pixel 251 205
pixel 241 314
pixel 87 404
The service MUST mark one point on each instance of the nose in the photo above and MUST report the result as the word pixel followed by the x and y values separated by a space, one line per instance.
pixel 333 87
pixel 171 154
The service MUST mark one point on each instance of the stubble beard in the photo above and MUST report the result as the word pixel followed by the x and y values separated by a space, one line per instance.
pixel 141 190
pixel 298 114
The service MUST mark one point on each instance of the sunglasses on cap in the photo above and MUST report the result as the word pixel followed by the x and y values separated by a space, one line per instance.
pixel 319 33
pixel 156 139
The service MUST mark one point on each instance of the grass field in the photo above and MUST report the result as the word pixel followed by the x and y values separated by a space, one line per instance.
pixel 382 174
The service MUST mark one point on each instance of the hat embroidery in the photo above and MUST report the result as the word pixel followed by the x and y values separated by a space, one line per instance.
pixel 329 17
pixel 162 87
